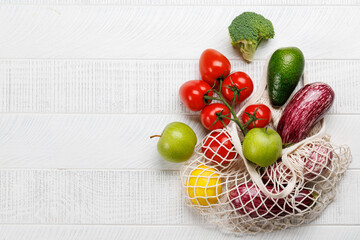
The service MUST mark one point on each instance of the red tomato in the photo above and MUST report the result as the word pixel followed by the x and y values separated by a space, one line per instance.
pixel 210 118
pixel 213 66
pixel 192 94
pixel 263 112
pixel 240 80
pixel 218 147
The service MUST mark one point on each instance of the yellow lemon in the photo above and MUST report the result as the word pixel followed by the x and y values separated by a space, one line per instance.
pixel 204 186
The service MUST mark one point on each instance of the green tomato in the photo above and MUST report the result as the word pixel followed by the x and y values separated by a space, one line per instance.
pixel 177 142
pixel 262 146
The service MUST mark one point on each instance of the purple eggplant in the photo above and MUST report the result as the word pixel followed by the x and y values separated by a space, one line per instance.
pixel 247 199
pixel 304 110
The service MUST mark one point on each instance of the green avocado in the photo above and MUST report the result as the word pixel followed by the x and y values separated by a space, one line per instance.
pixel 285 68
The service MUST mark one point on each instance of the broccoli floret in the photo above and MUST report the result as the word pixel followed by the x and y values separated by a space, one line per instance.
pixel 247 30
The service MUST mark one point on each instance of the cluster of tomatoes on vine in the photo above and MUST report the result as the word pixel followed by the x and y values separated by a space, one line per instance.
pixel 229 89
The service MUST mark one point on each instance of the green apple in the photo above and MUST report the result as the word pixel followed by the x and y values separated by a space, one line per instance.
pixel 262 146
pixel 177 142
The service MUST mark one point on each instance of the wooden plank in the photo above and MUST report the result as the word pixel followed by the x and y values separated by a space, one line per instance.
pixel 86 141
pixel 184 2
pixel 138 86
pixel 36 232
pixel 124 197
pixel 112 141
pixel 169 32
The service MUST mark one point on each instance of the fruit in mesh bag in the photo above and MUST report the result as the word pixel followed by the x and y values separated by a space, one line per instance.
pixel 204 186
pixel 262 146
pixel 285 68
pixel 276 173
pixel 217 147
pixel 304 110
pixel 318 161
pixel 248 200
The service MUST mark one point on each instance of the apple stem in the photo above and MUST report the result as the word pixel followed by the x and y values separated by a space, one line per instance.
pixel 155 136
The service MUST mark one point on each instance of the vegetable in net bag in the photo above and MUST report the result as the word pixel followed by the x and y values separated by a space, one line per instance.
pixel 242 197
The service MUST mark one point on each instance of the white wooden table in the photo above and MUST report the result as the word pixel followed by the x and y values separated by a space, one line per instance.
pixel 84 83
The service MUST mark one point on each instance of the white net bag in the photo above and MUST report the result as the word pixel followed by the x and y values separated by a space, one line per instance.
pixel 242 197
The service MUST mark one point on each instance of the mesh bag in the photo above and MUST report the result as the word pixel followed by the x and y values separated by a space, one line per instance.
pixel 241 197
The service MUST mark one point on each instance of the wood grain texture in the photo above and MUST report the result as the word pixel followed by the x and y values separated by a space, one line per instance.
pixel 124 197
pixel 86 141
pixel 129 58
pixel 170 32
pixel 184 2
pixel 112 141
pixel 36 232
pixel 139 86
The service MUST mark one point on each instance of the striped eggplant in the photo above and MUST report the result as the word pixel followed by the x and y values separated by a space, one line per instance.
pixel 304 110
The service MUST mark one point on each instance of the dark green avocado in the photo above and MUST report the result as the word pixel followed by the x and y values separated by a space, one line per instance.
pixel 285 68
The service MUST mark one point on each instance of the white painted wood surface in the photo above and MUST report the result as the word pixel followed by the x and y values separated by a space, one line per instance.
pixel 169 32
pixel 161 232
pixel 83 84
pixel 138 86
pixel 111 140
pixel 109 196
pixel 185 2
